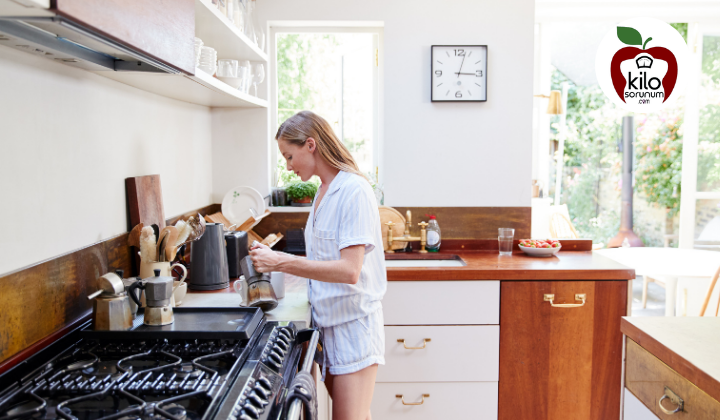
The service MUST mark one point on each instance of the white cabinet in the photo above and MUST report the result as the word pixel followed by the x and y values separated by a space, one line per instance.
pixel 453 354
pixel 449 349
pixel 446 400
pixel 442 303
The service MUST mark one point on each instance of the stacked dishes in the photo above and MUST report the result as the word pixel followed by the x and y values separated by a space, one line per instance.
pixel 198 45
pixel 208 60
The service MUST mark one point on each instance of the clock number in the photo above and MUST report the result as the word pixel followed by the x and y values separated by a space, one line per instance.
pixel 478 73
pixel 438 73
pixel 460 53
pixel 458 94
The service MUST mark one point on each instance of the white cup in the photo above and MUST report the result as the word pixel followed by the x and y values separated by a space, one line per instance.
pixel 241 288
pixel 277 279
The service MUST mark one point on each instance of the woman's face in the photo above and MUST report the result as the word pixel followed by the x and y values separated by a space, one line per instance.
pixel 300 159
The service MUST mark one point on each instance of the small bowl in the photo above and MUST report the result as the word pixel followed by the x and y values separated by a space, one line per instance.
pixel 540 252
pixel 234 82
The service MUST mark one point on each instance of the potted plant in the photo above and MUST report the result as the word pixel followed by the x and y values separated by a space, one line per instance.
pixel 301 193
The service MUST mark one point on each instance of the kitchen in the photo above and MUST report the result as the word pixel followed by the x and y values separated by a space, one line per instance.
pixel 81 135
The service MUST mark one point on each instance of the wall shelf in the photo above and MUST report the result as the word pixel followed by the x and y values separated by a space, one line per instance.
pixel 200 89
pixel 218 32
pixel 289 209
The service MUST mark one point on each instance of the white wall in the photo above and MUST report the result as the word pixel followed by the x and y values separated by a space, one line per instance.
pixel 434 154
pixel 68 140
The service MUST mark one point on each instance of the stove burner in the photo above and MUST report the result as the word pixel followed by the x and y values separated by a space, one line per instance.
pixel 174 409
pixel 102 369
pixel 186 370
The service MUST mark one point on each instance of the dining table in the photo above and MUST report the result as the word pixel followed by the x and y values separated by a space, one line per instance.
pixel 667 263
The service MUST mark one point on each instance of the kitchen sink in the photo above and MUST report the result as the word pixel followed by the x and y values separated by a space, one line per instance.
pixel 423 260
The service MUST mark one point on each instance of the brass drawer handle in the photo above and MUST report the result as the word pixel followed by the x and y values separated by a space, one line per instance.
pixel 674 398
pixel 415 403
pixel 549 297
pixel 425 341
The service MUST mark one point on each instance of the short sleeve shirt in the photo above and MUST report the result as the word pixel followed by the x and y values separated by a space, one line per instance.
pixel 347 215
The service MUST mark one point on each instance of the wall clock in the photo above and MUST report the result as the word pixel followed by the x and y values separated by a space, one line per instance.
pixel 459 73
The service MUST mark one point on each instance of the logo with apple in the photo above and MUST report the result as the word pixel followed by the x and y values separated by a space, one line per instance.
pixel 641 63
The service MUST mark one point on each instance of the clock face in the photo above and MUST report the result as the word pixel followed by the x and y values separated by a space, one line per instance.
pixel 459 73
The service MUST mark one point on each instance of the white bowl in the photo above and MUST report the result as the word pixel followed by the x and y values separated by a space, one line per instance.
pixel 235 82
pixel 540 252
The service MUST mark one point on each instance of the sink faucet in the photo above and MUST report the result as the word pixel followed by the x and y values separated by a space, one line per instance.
pixel 406 237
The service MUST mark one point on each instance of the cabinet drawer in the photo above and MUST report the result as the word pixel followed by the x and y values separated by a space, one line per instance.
pixel 454 354
pixel 647 376
pixel 449 400
pixel 442 303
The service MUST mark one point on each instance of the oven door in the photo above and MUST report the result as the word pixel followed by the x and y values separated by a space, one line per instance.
pixel 266 389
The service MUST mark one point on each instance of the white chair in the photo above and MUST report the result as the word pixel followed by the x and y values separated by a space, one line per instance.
pixel 647 280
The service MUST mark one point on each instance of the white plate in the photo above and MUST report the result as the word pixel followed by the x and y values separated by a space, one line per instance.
pixel 237 203
pixel 540 252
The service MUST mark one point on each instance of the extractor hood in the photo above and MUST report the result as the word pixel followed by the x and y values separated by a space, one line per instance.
pixel 60 39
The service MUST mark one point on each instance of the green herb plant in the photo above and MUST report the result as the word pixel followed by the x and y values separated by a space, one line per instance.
pixel 299 190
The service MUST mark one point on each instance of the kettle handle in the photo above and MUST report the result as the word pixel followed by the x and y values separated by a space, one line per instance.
pixel 131 291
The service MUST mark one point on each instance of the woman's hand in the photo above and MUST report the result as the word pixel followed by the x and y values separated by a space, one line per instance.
pixel 264 259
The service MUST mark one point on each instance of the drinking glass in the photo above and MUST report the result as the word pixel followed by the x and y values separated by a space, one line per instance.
pixel 505 240
pixel 245 72
pixel 227 68
pixel 258 76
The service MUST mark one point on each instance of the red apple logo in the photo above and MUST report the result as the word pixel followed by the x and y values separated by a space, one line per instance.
pixel 631 36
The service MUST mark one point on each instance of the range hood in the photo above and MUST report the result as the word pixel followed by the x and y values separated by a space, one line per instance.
pixel 60 39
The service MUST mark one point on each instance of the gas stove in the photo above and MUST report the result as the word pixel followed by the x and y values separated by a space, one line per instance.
pixel 78 378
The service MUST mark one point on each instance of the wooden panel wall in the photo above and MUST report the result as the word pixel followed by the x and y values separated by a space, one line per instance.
pixel 455 222
pixel 474 222
pixel 42 299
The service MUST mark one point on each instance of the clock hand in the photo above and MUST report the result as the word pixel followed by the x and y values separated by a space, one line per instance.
pixel 471 74
pixel 461 64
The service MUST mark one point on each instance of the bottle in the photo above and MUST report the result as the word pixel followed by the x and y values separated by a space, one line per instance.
pixel 433 235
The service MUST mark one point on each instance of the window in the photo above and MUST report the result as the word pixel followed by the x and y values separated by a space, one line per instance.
pixel 333 73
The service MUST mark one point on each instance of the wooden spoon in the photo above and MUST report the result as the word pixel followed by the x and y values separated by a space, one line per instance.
pixel 161 243
pixel 134 236
pixel 172 235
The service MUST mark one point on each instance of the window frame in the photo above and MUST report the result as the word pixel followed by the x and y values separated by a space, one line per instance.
pixel 337 27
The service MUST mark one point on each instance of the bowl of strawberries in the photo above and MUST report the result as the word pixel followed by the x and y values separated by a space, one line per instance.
pixel 540 247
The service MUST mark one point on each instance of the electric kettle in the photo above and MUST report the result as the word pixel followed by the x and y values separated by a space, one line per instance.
pixel 208 260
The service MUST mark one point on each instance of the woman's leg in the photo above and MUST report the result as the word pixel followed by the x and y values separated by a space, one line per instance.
pixel 352 393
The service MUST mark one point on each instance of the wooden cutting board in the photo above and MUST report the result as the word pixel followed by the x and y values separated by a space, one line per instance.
pixel 389 214
pixel 144 200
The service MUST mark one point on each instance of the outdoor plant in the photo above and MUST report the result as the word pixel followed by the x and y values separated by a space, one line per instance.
pixel 659 159
pixel 297 191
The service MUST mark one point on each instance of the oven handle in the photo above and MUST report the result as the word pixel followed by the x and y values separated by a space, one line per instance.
pixel 296 406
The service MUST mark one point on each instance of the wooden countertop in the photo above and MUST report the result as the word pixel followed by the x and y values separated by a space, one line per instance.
pixel 489 265
pixel 688 345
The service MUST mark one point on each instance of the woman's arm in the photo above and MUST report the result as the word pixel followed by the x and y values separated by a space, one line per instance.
pixel 345 270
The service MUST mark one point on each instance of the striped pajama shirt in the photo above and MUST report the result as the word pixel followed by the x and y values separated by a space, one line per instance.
pixel 349 316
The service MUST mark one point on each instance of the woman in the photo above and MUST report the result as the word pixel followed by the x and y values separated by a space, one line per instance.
pixel 345 264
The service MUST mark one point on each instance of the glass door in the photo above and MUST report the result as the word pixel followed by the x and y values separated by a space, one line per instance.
pixel 700 205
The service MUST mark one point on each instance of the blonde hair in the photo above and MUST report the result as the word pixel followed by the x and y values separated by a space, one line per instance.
pixel 298 128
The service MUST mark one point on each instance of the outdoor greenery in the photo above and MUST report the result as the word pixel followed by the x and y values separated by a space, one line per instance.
pixel 299 190
pixel 593 159
pixel 658 155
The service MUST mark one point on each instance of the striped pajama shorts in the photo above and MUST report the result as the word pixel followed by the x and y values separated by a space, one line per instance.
pixel 352 346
